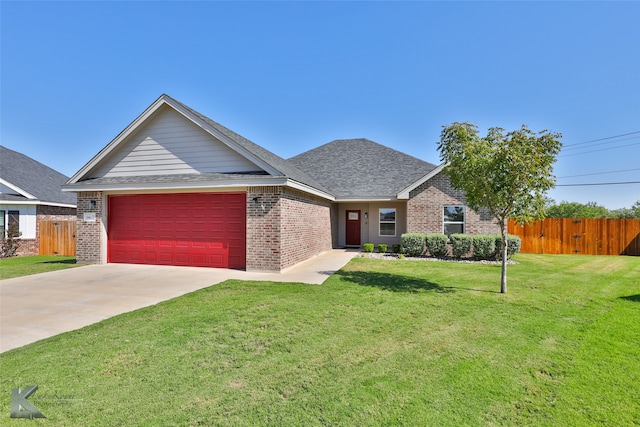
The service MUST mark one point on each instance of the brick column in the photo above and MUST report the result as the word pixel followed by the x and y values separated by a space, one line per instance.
pixel 89 237
pixel 263 229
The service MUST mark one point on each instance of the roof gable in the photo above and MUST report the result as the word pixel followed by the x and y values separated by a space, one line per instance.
pixel 405 192
pixel 361 169
pixel 222 150
pixel 167 143
pixel 25 179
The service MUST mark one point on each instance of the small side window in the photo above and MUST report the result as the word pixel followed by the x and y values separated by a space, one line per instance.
pixel 14 218
pixel 453 220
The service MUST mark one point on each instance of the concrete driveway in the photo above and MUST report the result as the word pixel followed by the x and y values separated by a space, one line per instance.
pixel 42 305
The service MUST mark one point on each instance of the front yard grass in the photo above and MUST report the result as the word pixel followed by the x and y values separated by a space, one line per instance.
pixel 380 343
pixel 26 265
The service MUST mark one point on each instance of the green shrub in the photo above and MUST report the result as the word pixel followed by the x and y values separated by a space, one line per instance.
pixel 460 244
pixel 513 246
pixel 400 256
pixel 412 244
pixel 382 248
pixel 368 247
pixel 436 245
pixel 484 246
pixel 396 248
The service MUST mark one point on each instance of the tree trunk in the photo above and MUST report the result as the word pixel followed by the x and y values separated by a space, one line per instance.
pixel 503 280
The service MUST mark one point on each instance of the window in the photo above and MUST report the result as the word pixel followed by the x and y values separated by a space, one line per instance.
pixel 453 220
pixel 13 217
pixel 388 222
pixel 2 227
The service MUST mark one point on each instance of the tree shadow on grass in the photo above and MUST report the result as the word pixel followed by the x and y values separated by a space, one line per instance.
pixel 391 282
pixel 62 261
pixel 633 298
pixel 398 283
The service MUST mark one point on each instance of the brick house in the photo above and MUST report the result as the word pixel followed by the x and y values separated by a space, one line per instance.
pixel 31 193
pixel 177 188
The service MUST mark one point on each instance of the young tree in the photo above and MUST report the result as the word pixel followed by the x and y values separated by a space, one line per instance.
pixel 508 174
pixel 11 242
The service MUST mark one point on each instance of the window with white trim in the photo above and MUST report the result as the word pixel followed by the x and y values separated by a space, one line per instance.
pixel 2 224
pixel 453 220
pixel 13 219
pixel 387 222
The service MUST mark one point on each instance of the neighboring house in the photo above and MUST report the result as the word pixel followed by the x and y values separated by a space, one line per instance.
pixel 177 188
pixel 31 192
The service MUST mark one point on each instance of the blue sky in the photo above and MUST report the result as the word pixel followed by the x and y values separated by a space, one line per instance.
pixel 291 76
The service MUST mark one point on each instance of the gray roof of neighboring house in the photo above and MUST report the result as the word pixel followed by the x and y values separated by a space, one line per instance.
pixel 33 177
pixel 360 168
pixel 286 168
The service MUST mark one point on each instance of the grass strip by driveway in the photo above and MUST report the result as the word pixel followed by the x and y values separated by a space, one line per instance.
pixel 26 265
pixel 380 343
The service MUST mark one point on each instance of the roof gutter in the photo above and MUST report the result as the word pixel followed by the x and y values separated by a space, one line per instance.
pixel 261 182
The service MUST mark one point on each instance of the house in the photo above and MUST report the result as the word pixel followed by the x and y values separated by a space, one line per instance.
pixel 31 193
pixel 177 188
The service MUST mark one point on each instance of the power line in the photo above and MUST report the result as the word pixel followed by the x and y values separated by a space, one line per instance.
pixel 598 173
pixel 597 183
pixel 602 139
pixel 602 143
pixel 602 149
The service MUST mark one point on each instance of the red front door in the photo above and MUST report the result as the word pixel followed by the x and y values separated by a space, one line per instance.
pixel 353 228
pixel 194 229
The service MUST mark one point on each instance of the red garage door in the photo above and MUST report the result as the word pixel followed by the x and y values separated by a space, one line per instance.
pixel 195 229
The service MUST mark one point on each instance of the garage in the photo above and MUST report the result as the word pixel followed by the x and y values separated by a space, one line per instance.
pixel 185 229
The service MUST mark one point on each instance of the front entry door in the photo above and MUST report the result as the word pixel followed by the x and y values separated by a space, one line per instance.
pixel 353 228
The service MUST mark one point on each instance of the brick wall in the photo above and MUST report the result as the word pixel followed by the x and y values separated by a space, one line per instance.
pixel 285 227
pixel 27 247
pixel 60 213
pixel 306 226
pixel 263 228
pixel 426 203
pixel 89 238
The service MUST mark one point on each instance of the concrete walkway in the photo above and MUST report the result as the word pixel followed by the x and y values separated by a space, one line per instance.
pixel 42 305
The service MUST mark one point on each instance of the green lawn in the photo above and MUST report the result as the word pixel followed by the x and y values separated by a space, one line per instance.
pixel 23 266
pixel 380 343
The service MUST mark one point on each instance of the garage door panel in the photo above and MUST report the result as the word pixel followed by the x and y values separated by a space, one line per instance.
pixel 164 258
pixel 200 229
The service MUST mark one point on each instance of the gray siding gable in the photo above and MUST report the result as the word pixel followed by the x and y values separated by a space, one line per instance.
pixel 168 143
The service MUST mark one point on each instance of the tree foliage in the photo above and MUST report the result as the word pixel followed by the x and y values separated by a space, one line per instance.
pixel 508 173
pixel 566 209
pixel 632 212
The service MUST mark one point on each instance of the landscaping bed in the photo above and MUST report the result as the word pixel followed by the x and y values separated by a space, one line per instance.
pixel 399 257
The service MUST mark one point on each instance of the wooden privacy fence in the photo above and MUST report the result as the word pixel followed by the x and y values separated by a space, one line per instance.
pixel 57 238
pixel 587 236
